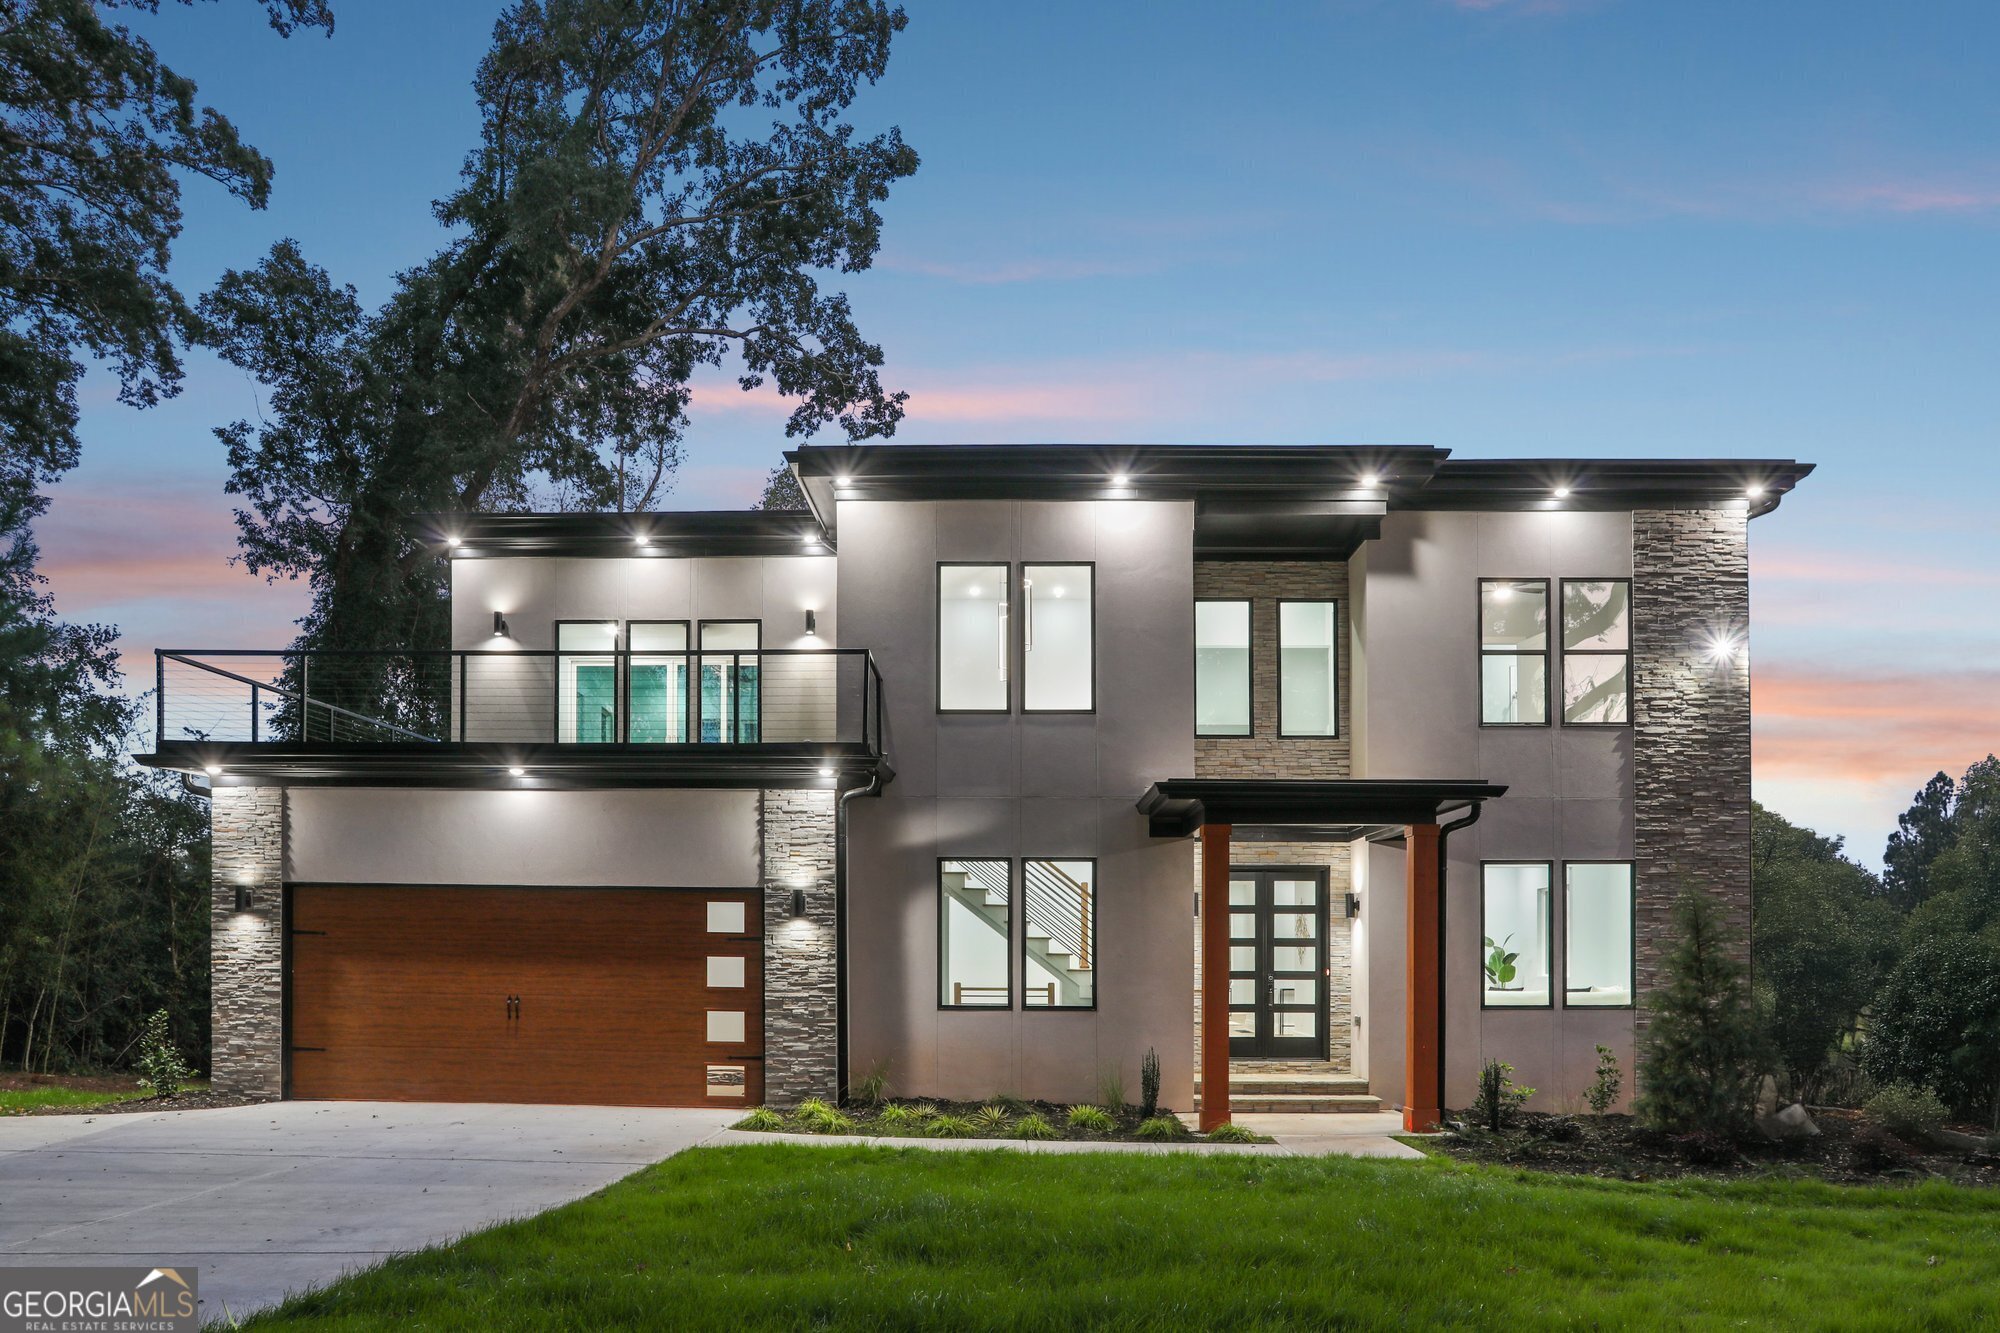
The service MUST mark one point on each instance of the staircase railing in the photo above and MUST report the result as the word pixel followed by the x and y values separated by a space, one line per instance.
pixel 1059 907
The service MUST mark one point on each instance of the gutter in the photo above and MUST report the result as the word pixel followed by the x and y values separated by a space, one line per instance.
pixel 873 788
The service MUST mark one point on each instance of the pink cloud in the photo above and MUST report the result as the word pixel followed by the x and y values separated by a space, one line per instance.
pixel 1883 731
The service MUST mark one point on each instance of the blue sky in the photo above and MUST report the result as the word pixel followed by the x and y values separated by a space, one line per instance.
pixel 1503 227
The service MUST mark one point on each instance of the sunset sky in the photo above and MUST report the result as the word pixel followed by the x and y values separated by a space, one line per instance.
pixel 1503 227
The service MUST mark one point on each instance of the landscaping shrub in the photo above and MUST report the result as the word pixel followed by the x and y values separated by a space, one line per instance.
pixel 871 1089
pixel 951 1127
pixel 1936 1020
pixel 1498 1101
pixel 898 1117
pixel 991 1118
pixel 1911 1114
pixel 1230 1132
pixel 1032 1126
pixel 1702 1053
pixel 923 1110
pixel 1160 1129
pixel 1555 1129
pixel 818 1117
pixel 763 1120
pixel 1091 1120
pixel 1149 1084
pixel 1876 1149
pixel 159 1064
pixel 1603 1091
pixel 1111 1090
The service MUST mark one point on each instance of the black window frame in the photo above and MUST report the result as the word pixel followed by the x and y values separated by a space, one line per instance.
pixel 1631 933
pixel 1250 678
pixel 1548 944
pixel 1552 621
pixel 690 653
pixel 937 899
pixel 1560 683
pixel 1006 638
pixel 1278 630
pixel 1096 916
pixel 1017 630
pixel 694 684
pixel 617 677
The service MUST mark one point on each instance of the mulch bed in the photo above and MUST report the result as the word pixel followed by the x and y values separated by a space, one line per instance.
pixel 1847 1150
pixel 1056 1114
pixel 197 1099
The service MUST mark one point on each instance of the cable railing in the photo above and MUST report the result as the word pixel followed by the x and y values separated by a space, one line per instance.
pixel 526 696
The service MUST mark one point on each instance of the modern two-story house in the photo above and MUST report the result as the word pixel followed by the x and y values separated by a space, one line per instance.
pixel 1325 773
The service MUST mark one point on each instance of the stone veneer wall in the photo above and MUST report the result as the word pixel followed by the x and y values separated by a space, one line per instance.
pixel 1262 754
pixel 246 949
pixel 1691 716
pixel 796 831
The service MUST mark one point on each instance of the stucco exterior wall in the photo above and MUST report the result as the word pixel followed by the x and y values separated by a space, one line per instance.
pixel 1023 786
pixel 1570 790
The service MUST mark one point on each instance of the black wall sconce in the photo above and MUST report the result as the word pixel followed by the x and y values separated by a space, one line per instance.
pixel 812 623
pixel 798 902
pixel 499 626
pixel 1354 904
pixel 242 895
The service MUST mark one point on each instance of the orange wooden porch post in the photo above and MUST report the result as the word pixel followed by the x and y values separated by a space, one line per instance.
pixel 1423 1093
pixel 1214 976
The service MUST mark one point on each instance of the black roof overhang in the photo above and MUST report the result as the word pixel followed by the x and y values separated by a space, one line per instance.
pixel 749 532
pixel 1311 809
pixel 545 767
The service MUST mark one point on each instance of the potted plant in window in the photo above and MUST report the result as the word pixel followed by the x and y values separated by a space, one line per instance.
pixel 1500 965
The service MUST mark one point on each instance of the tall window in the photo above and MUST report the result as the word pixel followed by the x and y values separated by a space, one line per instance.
pixel 1222 668
pixel 587 681
pixel 656 682
pixel 973 925
pixel 1597 651
pixel 1058 649
pixel 1597 934
pixel 1513 652
pixel 1515 935
pixel 1308 669
pixel 1059 934
pixel 972 638
pixel 728 710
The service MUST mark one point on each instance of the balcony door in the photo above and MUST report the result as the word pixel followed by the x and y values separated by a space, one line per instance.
pixel 729 701
pixel 587 681
pixel 1277 963
pixel 656 684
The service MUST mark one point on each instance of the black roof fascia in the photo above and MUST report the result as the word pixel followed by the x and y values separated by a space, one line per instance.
pixel 545 767
pixel 1612 483
pixel 1178 807
pixel 727 532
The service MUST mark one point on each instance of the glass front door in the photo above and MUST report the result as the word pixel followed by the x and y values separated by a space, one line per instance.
pixel 1277 963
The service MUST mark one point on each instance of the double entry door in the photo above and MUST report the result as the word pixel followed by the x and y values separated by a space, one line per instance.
pixel 1277 963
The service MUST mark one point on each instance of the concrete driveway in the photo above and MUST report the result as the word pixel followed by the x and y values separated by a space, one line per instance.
pixel 267 1200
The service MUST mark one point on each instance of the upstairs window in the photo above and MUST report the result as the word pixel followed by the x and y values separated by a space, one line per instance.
pixel 1513 652
pixel 1058 639
pixel 972 638
pixel 1222 668
pixel 587 681
pixel 1308 668
pixel 974 921
pixel 1597 652
pixel 656 681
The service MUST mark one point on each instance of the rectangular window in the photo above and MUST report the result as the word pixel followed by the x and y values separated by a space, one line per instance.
pixel 1597 934
pixel 1222 668
pixel 727 707
pixel 1514 652
pixel 1059 934
pixel 1308 668
pixel 1058 633
pixel 972 638
pixel 656 681
pixel 587 681
pixel 974 925
pixel 1597 652
pixel 1516 939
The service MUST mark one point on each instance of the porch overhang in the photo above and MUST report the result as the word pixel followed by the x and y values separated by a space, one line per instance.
pixel 1307 810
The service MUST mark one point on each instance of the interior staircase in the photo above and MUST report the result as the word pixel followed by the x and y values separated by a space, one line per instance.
pixel 1312 1087
pixel 1057 930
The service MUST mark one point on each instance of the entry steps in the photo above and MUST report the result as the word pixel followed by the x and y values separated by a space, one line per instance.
pixel 1311 1087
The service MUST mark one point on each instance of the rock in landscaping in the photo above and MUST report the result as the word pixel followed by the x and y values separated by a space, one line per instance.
pixel 1790 1123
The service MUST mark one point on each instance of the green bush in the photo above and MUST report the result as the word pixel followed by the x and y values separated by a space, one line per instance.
pixel 1703 1055
pixel 1602 1094
pixel 896 1117
pixel 1230 1132
pixel 1498 1100
pixel 1091 1120
pixel 1111 1090
pixel 1149 1084
pixel 1911 1114
pixel 159 1064
pixel 1160 1128
pixel 923 1110
pixel 1034 1127
pixel 871 1088
pixel 818 1117
pixel 991 1118
pixel 763 1120
pixel 951 1127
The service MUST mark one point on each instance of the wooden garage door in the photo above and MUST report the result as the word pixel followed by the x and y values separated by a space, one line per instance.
pixel 614 997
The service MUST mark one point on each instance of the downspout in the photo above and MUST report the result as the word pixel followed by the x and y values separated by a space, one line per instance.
pixel 873 788
pixel 1444 940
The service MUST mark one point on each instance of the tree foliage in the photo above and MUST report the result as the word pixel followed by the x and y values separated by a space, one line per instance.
pixel 782 490
pixel 1701 1056
pixel 1821 939
pixel 1923 833
pixel 660 186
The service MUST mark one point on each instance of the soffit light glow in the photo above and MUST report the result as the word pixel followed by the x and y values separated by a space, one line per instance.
pixel 826 772
pixel 642 541
pixel 1561 492
pixel 1724 647
pixel 1369 481
pixel 1119 479
pixel 213 770
pixel 517 772
pixel 843 482
pixel 452 542
pixel 1753 491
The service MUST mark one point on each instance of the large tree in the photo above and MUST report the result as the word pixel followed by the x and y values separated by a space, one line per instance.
pixel 660 186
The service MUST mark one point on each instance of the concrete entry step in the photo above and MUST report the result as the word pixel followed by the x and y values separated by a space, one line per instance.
pixel 1303 1086
pixel 1299 1103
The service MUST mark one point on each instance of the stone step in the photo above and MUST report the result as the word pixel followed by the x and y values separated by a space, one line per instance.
pixel 1296 1085
pixel 1299 1104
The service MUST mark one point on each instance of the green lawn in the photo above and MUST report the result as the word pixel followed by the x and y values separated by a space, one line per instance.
pixel 17 1101
pixel 869 1238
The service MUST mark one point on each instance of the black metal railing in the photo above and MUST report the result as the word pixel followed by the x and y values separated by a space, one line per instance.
pixel 624 697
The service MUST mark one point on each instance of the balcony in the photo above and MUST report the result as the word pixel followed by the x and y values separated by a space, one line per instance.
pixel 518 717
